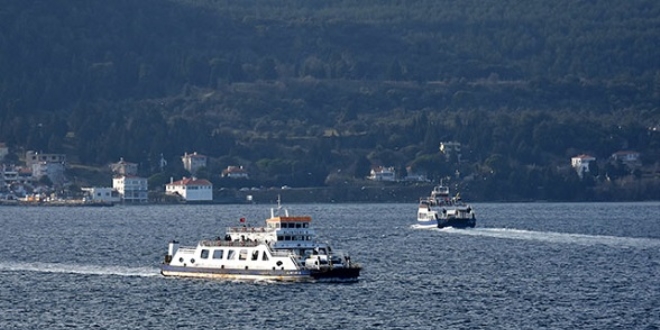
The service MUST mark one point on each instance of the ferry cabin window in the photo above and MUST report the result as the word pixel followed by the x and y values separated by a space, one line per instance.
pixel 255 255
pixel 231 254
pixel 217 254
pixel 242 255
pixel 298 225
pixel 280 238
pixel 264 256
pixel 305 225
pixel 204 254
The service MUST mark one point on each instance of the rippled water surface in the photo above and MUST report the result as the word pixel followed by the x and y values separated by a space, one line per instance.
pixel 525 266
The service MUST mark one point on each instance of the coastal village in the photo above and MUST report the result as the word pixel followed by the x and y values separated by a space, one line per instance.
pixel 40 179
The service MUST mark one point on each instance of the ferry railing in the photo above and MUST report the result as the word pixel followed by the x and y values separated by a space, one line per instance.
pixel 215 242
pixel 250 230
pixel 187 249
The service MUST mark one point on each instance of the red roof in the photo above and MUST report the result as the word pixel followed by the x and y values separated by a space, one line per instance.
pixel 191 182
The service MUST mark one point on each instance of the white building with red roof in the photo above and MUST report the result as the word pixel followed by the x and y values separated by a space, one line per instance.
pixel 381 173
pixel 191 189
pixel 581 163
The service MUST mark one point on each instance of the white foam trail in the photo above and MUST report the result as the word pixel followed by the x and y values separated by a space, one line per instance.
pixel 79 269
pixel 418 226
pixel 555 237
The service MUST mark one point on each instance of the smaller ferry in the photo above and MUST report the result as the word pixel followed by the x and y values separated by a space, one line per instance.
pixel 440 210
pixel 285 249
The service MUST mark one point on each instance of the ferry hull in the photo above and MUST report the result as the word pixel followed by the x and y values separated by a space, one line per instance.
pixel 236 274
pixel 337 274
pixel 331 275
pixel 457 223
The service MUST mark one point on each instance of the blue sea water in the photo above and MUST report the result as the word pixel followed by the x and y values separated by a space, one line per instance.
pixel 525 266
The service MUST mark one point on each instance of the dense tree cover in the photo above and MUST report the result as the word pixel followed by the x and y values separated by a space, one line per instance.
pixel 310 93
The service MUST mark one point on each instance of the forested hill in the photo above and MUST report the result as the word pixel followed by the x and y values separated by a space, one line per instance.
pixel 311 93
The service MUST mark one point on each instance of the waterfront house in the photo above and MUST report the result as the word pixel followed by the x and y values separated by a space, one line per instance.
pixel 131 188
pixel 102 194
pixel 191 189
pixel 381 173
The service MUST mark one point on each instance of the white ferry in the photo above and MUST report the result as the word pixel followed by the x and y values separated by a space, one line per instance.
pixel 440 210
pixel 286 249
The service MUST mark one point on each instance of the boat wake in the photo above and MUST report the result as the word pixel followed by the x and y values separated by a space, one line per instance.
pixel 552 237
pixel 78 269
pixel 555 237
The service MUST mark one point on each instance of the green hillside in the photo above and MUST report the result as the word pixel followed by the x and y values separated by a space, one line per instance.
pixel 312 93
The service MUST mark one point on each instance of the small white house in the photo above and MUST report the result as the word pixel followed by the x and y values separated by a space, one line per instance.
pixel 381 173
pixel 191 189
pixel 102 194
pixel 581 163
